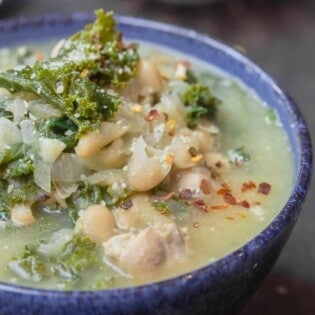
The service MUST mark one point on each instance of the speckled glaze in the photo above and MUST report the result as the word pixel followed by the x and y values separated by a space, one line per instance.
pixel 224 286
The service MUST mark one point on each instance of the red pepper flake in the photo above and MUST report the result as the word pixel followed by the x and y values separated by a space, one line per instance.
pixel 195 224
pixel 220 206
pixel 205 186
pixel 167 196
pixel 225 188
pixel 126 204
pixel 229 198
pixel 264 188
pixel 152 115
pixel 200 204
pixel 185 194
pixel 248 186
pixel 243 203
pixel 165 116
pixel 223 191
pixel 218 164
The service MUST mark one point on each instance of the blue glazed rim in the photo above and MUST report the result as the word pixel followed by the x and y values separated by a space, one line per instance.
pixel 299 137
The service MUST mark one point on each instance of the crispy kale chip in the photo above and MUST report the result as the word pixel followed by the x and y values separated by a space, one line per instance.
pixel 199 102
pixel 75 81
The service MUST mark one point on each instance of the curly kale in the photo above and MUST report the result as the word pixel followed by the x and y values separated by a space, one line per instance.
pixel 200 103
pixel 16 161
pixel 76 257
pixel 30 265
pixel 87 195
pixel 62 129
pixel 25 192
pixel 17 184
pixel 77 80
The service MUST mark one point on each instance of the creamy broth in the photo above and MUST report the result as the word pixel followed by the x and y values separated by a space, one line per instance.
pixel 242 122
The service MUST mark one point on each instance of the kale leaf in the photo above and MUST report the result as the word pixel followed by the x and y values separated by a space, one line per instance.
pixel 199 102
pixel 25 192
pixel 77 257
pixel 16 161
pixel 75 81
pixel 30 265
pixel 62 129
pixel 17 184
pixel 88 194
pixel 85 196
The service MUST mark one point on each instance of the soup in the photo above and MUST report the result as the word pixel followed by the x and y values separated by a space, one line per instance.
pixel 123 165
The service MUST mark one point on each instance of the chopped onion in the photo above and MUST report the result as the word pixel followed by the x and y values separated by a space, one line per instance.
pixel 68 168
pixel 108 177
pixel 41 110
pixel 50 149
pixel 42 176
pixel 18 108
pixel 29 132
pixel 64 190
pixel 56 243
pixel 9 132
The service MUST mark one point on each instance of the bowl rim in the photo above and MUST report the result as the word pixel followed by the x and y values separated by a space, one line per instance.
pixel 290 210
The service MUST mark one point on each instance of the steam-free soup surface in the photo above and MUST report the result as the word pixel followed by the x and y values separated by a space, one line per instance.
pixel 165 194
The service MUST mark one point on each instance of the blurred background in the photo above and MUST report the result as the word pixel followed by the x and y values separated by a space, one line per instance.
pixel 279 35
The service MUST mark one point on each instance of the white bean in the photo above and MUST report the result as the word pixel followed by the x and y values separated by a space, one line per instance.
pixel 97 222
pixel 148 78
pixel 21 215
pixel 205 140
pixel 94 141
pixel 144 172
pixel 112 156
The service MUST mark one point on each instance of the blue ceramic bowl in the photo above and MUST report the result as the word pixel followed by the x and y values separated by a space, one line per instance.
pixel 221 287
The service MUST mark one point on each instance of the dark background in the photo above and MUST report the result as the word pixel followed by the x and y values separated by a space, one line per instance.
pixel 279 36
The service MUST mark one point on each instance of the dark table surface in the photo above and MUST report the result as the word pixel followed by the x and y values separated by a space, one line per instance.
pixel 278 35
